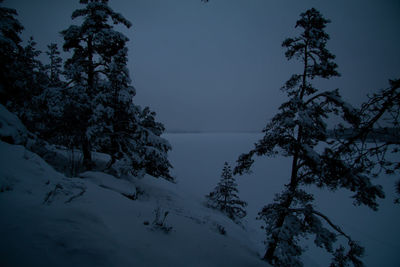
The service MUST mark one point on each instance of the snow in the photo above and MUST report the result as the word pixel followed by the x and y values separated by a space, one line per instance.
pixel 98 220
pixel 51 220
pixel 11 128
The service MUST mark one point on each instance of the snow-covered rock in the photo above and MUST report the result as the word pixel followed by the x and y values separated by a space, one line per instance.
pixel 11 128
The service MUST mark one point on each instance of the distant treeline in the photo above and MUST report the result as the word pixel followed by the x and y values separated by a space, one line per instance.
pixel 385 134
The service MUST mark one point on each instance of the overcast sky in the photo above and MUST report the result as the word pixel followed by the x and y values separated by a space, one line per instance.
pixel 219 66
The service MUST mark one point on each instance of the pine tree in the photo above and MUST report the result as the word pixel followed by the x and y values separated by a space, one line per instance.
pixel 22 75
pixel 122 129
pixel 10 48
pixel 154 149
pixel 51 100
pixel 115 118
pixel 296 132
pixel 94 43
pixel 29 82
pixel 125 131
pixel 225 197
pixel 55 66
pixel 32 81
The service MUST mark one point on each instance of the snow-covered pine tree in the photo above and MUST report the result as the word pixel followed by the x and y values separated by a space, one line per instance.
pixel 10 48
pixel 225 197
pixel 32 82
pixel 22 75
pixel 94 42
pixel 153 148
pixel 115 118
pixel 28 81
pixel 122 129
pixel 51 100
pixel 54 67
pixel 129 134
pixel 299 131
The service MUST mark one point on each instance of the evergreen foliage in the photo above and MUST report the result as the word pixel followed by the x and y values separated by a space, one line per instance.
pixel 225 197
pixel 382 111
pixel 51 100
pixel 93 43
pixel 93 110
pixel 129 134
pixel 54 68
pixel 296 132
pixel 100 98
pixel 10 48
pixel 32 84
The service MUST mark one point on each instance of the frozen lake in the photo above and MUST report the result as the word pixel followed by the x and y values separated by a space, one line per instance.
pixel 198 160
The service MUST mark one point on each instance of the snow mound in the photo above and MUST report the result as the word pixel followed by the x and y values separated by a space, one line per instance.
pixel 11 128
pixel 109 182
pixel 99 220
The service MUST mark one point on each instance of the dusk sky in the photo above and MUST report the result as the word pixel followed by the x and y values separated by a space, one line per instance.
pixel 218 66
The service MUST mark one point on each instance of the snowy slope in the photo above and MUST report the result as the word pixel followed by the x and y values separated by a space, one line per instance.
pixel 51 220
pixel 47 219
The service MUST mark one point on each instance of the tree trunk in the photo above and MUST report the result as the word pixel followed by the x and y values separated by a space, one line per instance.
pixel 86 146
pixel 87 154
pixel 269 254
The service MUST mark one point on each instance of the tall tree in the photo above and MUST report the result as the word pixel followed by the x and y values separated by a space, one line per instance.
pixel 10 48
pixel 50 102
pixel 299 131
pixel 225 195
pixel 28 82
pixel 93 43
pixel 55 65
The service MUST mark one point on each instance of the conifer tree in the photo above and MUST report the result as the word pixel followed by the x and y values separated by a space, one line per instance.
pixel 225 197
pixel 296 132
pixel 129 134
pixel 154 149
pixel 30 81
pixel 51 100
pixel 100 100
pixel 93 43
pixel 55 66
pixel 115 117
pixel 22 75
pixel 10 48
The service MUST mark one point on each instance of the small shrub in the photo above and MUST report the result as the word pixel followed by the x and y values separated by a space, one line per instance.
pixel 160 220
pixel 221 229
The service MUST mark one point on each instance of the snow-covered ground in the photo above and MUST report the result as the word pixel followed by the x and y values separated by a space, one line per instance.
pixel 48 219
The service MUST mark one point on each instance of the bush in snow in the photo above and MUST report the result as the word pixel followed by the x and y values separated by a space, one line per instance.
pixel 160 220
pixel 225 197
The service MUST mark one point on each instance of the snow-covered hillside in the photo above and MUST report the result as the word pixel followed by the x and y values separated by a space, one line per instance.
pixel 51 220
pixel 48 219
